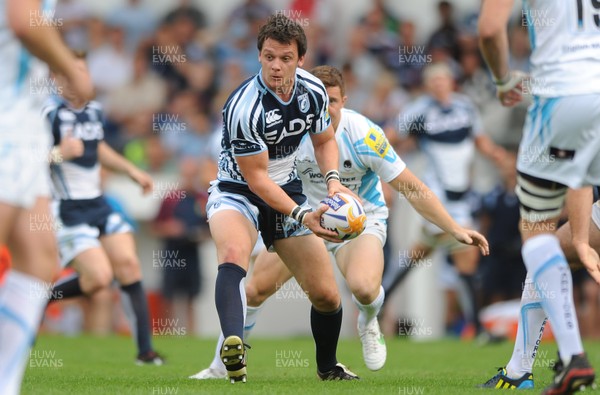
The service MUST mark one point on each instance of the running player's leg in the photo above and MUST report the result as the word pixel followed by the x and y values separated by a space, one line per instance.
pixel 361 263
pixel 268 274
pixel 79 247
pixel 121 252
pixel 234 236
pixel 25 291
pixel 307 259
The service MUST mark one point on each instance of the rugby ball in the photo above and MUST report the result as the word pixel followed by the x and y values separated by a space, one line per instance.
pixel 345 215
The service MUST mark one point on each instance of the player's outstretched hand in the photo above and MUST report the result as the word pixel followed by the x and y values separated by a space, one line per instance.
pixel 143 179
pixel 589 258
pixel 70 147
pixel 471 237
pixel 510 92
pixel 312 221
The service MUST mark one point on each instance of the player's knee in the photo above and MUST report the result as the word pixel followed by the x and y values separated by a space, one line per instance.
pixel 92 282
pixel 234 253
pixel 127 269
pixel 365 291
pixel 255 296
pixel 325 300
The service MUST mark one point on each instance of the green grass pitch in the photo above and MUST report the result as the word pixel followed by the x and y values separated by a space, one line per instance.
pixel 90 365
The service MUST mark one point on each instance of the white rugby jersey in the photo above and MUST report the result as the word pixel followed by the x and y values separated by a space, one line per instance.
pixel 22 79
pixel 366 158
pixel 445 135
pixel 78 178
pixel 255 119
pixel 565 42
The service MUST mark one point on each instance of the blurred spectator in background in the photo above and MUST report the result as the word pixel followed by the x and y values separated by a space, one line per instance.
pixel 137 21
pixel 74 17
pixel 446 35
pixel 179 56
pixel 386 100
pixel 110 65
pixel 136 104
pixel 181 224
pixel 410 59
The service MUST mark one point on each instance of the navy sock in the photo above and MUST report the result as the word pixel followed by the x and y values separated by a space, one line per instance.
pixel 68 287
pixel 326 332
pixel 471 286
pixel 228 299
pixel 141 324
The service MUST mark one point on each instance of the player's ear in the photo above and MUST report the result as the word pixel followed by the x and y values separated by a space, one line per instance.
pixel 344 98
pixel 300 61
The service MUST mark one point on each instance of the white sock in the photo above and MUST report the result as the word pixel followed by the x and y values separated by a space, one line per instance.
pixel 216 363
pixel 532 320
pixel 368 312
pixel 23 299
pixel 251 316
pixel 552 278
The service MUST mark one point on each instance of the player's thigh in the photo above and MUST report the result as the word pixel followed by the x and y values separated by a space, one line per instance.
pixel 308 260
pixel 122 255
pixel 93 267
pixel 234 236
pixel 268 274
pixel 9 214
pixel 33 243
pixel 361 263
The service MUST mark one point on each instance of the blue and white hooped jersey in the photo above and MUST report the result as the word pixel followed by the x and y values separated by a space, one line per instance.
pixel 366 158
pixel 565 44
pixel 21 96
pixel 255 120
pixel 446 135
pixel 78 178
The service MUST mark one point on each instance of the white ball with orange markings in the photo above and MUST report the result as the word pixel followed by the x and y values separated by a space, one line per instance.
pixel 345 215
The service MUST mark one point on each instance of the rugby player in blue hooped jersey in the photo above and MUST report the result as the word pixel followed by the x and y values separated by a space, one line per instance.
pixel 366 159
pixel 257 188
pixel 94 239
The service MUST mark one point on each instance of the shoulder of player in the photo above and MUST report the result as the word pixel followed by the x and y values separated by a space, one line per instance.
pixel 311 82
pixel 245 101
pixel 356 124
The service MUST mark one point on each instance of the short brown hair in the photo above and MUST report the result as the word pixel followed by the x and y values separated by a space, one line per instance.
pixel 284 30
pixel 330 77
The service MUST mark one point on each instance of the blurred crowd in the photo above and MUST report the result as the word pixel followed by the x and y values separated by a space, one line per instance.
pixel 163 80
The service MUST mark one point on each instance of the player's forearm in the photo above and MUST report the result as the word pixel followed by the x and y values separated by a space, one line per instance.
pixel 493 37
pixel 580 210
pixel 424 201
pixel 110 159
pixel 41 39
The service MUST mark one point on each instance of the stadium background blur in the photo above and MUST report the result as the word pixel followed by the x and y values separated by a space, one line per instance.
pixel 163 70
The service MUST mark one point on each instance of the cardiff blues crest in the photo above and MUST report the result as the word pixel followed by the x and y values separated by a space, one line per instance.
pixel 303 102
